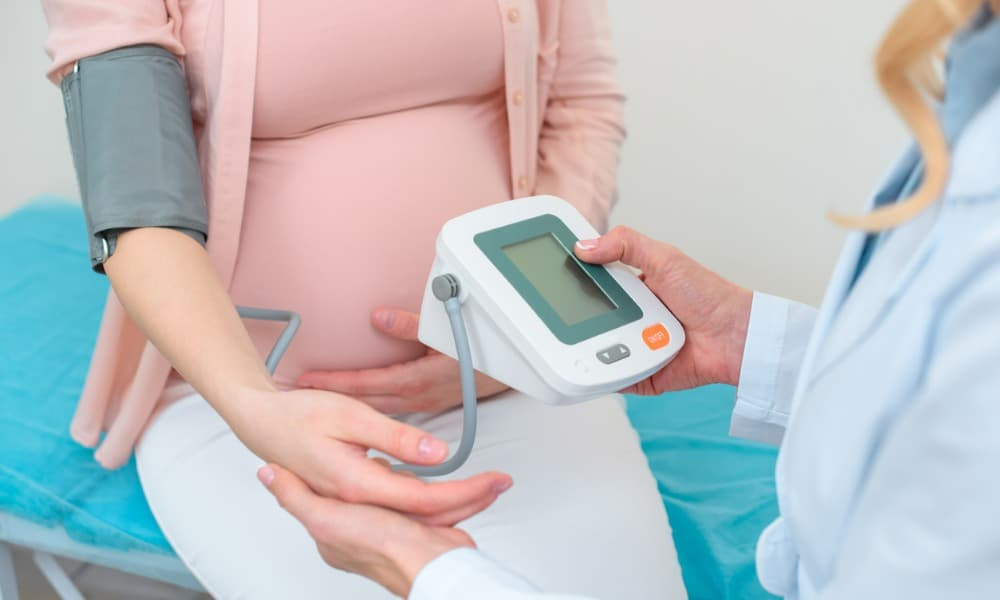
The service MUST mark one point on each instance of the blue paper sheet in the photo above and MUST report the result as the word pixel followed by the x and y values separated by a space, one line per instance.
pixel 719 492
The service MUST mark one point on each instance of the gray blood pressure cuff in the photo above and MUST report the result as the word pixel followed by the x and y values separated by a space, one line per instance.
pixel 129 120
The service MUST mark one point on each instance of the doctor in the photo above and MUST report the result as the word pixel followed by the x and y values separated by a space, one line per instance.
pixel 886 402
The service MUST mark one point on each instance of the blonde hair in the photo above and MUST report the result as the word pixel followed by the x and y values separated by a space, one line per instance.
pixel 907 65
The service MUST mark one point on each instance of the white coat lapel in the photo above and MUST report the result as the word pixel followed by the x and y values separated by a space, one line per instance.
pixel 867 305
pixel 847 264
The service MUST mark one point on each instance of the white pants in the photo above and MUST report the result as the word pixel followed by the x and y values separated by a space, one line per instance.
pixel 584 515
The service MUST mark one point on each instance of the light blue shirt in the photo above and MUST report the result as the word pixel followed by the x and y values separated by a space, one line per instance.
pixel 886 401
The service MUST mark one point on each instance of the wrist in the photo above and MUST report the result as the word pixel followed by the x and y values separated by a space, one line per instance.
pixel 737 335
pixel 243 406
pixel 408 562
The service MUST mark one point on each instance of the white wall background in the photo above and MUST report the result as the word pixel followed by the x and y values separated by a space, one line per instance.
pixel 34 150
pixel 747 121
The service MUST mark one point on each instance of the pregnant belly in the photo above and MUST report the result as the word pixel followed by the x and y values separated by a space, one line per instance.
pixel 343 220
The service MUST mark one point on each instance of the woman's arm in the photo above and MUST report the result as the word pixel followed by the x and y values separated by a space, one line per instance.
pixel 136 179
pixel 583 126
pixel 168 286
pixel 172 292
pixel 170 289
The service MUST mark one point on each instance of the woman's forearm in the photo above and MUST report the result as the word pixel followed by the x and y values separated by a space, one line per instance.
pixel 165 281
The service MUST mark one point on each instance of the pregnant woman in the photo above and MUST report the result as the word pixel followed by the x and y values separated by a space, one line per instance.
pixel 329 142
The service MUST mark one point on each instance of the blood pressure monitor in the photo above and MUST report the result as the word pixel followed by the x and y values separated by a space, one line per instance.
pixel 507 297
pixel 539 319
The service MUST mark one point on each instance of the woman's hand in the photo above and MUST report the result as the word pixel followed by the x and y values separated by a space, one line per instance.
pixel 376 543
pixel 428 384
pixel 324 438
pixel 713 311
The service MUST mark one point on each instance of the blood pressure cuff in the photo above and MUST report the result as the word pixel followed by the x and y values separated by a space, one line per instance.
pixel 129 120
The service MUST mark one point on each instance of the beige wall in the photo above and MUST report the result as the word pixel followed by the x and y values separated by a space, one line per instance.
pixel 747 120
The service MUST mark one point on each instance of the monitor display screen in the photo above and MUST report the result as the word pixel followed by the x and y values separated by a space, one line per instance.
pixel 560 280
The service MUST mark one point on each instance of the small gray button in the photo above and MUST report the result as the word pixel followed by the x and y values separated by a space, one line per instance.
pixel 614 354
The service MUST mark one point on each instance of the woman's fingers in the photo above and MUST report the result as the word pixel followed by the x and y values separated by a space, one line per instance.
pixel 371 483
pixel 622 244
pixel 372 429
pixel 398 379
pixel 398 323
pixel 401 379
pixel 394 405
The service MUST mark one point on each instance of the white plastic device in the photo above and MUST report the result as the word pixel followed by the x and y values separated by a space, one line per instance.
pixel 508 297
pixel 538 319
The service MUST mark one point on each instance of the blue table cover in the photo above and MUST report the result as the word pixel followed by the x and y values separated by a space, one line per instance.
pixel 50 309
pixel 718 491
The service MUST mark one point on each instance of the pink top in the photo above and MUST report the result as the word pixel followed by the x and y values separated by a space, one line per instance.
pixel 364 154
pixel 560 101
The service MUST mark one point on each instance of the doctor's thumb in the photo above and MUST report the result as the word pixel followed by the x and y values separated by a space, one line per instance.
pixel 621 243
pixel 291 492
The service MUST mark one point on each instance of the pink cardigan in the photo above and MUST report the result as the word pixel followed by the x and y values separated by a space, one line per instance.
pixel 564 108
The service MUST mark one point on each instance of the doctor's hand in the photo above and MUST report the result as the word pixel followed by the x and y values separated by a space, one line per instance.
pixel 325 437
pixel 430 383
pixel 376 543
pixel 713 311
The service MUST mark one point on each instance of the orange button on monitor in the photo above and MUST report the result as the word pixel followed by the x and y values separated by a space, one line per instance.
pixel 656 336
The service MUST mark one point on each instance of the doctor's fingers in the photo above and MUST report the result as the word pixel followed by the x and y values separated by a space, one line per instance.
pixel 628 246
pixel 293 494
pixel 449 518
pixel 454 517
pixel 371 483
pixel 324 518
pixel 350 536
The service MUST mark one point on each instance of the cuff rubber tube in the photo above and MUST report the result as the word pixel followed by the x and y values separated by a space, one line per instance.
pixel 470 405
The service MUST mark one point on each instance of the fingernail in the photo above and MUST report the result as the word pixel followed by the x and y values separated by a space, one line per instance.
pixel 386 318
pixel 501 487
pixel 266 475
pixel 429 447
pixel 588 244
